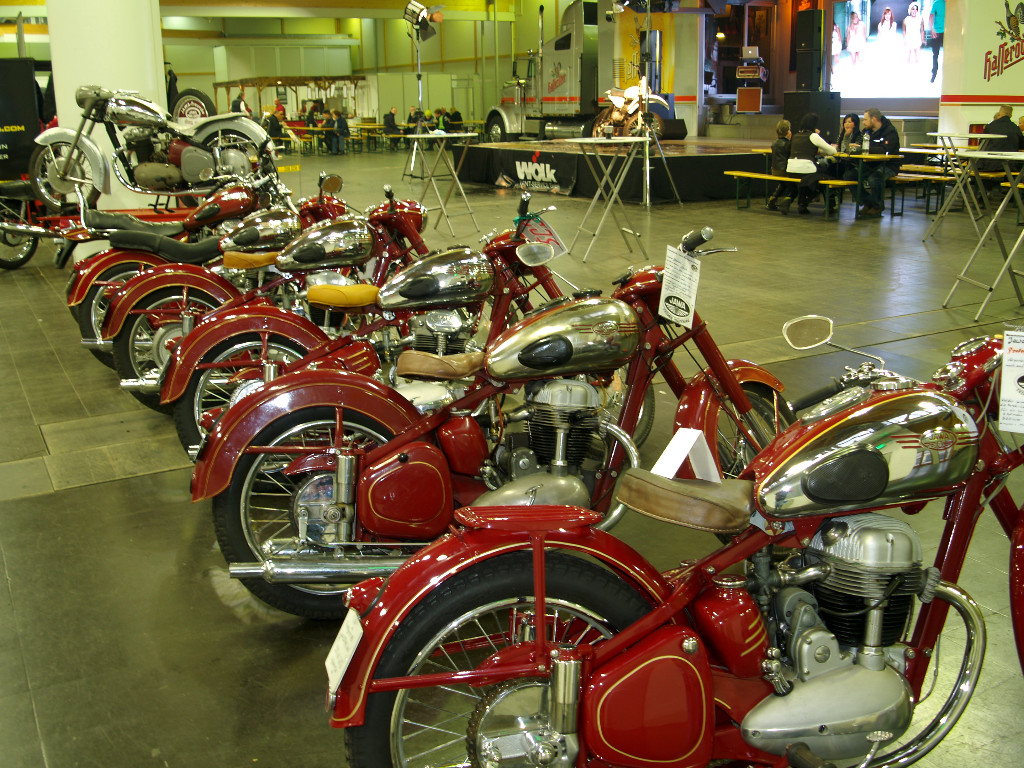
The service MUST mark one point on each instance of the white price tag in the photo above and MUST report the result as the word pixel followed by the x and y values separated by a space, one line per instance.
pixel 687 442
pixel 343 649
pixel 1011 395
pixel 679 287
pixel 540 231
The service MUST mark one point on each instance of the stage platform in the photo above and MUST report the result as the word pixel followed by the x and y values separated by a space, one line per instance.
pixel 696 165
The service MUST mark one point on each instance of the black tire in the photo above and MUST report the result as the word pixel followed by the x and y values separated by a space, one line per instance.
pixel 604 117
pixel 141 346
pixel 632 125
pixel 580 595
pixel 207 390
pixel 193 104
pixel 90 313
pixel 769 415
pixel 16 250
pixel 495 130
pixel 43 175
pixel 257 505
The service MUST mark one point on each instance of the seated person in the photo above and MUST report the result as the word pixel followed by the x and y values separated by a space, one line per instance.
pixel 275 129
pixel 806 145
pixel 455 120
pixel 441 120
pixel 850 138
pixel 884 139
pixel 327 131
pixel 340 132
pixel 782 197
pixel 391 126
pixel 1012 139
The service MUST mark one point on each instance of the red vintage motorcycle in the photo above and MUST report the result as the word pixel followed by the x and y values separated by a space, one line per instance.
pixel 242 343
pixel 530 638
pixel 145 318
pixel 323 476
pixel 138 246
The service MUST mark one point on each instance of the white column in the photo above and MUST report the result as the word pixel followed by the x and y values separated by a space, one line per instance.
pixel 115 44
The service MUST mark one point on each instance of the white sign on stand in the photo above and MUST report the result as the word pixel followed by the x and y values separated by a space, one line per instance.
pixel 679 287
pixel 1011 397
pixel 687 443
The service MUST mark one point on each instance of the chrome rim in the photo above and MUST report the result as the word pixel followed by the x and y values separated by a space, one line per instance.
pixel 54 187
pixel 154 330
pixel 429 725
pixel 267 494
pixel 99 305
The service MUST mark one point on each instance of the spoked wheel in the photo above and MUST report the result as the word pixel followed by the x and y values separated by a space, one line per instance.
pixel 144 343
pixel 465 621
pixel 258 513
pixel 769 415
pixel 604 118
pixel 54 171
pixel 93 309
pixel 653 121
pixel 16 250
pixel 232 362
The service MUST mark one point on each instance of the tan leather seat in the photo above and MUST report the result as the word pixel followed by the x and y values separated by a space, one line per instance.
pixel 342 296
pixel 413 364
pixel 240 260
pixel 700 504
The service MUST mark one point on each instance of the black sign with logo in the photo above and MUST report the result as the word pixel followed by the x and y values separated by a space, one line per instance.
pixel 19 116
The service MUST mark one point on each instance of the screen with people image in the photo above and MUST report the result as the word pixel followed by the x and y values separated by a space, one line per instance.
pixel 888 49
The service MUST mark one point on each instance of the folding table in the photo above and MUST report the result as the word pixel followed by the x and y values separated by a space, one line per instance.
pixel 962 173
pixel 430 174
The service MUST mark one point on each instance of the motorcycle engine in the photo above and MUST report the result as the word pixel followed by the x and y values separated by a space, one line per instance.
pixel 841 632
pixel 564 418
pixel 443 332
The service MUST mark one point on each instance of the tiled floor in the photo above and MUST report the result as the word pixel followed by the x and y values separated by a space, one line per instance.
pixel 123 642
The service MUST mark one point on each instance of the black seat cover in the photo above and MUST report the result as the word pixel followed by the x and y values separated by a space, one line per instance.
pixel 168 248
pixel 125 221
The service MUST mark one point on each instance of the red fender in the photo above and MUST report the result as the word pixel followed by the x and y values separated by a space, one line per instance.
pixel 240 424
pixel 218 327
pixel 698 407
pixel 158 278
pixel 450 555
pixel 85 272
pixel 1017 587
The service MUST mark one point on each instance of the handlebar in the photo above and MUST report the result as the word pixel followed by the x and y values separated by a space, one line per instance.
pixel 695 238
pixel 524 204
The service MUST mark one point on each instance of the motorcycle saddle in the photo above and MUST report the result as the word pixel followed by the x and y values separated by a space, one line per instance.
pixel 705 506
pixel 17 190
pixel 167 247
pixel 125 221
pixel 245 260
pixel 413 364
pixel 342 296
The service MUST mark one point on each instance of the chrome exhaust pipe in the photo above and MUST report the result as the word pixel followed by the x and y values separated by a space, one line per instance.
pixel 27 230
pixel 310 571
pixel 613 515
pixel 966 682
pixel 148 386
pixel 104 344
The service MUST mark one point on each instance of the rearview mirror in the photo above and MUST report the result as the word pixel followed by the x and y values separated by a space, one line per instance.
pixel 807 332
pixel 331 184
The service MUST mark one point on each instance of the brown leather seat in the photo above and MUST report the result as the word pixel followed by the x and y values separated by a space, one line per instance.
pixel 413 364
pixel 342 296
pixel 700 504
pixel 255 260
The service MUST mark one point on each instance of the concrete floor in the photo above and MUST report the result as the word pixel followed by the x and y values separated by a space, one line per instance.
pixel 124 643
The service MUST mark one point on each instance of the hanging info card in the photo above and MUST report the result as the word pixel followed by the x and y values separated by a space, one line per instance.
pixel 679 287
pixel 1011 397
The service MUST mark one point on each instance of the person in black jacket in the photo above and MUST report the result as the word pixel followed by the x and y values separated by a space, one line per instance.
pixel 391 126
pixel 884 139
pixel 1012 139
pixel 786 190
pixel 806 145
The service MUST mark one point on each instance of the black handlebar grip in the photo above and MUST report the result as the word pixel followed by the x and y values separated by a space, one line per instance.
pixel 834 387
pixel 524 204
pixel 800 756
pixel 388 191
pixel 695 238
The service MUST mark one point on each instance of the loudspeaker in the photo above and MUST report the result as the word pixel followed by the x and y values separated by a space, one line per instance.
pixel 827 104
pixel 808 70
pixel 810 30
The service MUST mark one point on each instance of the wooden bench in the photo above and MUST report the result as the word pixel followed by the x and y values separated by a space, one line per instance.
pixel 749 176
pixel 834 187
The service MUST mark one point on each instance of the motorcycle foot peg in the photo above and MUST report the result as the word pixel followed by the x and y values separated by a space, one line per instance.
pixel 799 755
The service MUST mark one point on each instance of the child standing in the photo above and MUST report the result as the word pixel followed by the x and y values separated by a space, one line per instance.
pixel 780 157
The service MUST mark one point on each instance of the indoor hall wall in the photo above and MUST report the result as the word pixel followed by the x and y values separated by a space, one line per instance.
pixel 980 70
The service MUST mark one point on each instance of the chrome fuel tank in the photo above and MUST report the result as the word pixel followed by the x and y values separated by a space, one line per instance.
pixel 892 448
pixel 125 109
pixel 346 242
pixel 456 276
pixel 264 230
pixel 577 336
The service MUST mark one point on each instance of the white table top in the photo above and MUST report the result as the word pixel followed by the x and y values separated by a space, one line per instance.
pixel 979 154
pixel 441 135
pixel 966 135
pixel 602 141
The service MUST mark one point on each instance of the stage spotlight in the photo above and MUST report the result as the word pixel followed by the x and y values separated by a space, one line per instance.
pixel 419 16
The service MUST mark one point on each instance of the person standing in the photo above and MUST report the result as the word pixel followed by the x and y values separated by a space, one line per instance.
pixel 913 32
pixel 884 140
pixel 856 37
pixel 937 24
pixel 238 103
